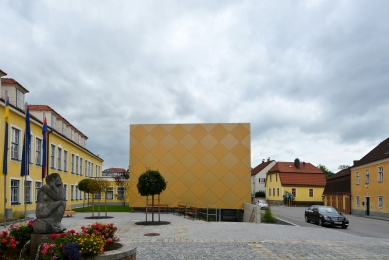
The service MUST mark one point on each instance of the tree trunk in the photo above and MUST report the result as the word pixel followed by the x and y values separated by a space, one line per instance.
pixel 147 201
pixel 93 205
pixel 152 208
pixel 105 202
pixel 99 203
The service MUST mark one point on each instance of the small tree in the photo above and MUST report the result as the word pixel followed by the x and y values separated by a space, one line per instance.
pixel 103 185
pixel 123 180
pixel 150 183
pixel 83 186
pixel 93 187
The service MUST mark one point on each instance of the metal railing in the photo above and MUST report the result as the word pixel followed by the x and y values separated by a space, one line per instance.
pixel 206 212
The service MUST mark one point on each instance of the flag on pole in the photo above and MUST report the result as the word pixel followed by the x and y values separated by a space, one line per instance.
pixel 26 147
pixel 44 148
pixel 5 155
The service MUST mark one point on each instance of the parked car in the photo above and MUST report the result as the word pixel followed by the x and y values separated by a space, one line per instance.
pixel 325 215
pixel 262 204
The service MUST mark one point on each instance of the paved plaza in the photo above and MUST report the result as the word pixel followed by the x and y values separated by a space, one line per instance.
pixel 188 239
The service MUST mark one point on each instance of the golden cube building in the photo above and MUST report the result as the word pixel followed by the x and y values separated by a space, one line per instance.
pixel 206 164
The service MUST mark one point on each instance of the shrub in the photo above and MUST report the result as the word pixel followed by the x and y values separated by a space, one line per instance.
pixel 104 230
pixel 7 242
pixel 268 216
pixel 21 233
pixel 91 244
pixel 260 194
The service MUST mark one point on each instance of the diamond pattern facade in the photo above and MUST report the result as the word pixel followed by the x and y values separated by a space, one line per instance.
pixel 202 163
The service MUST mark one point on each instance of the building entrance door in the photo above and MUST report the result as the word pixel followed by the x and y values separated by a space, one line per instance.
pixel 367 199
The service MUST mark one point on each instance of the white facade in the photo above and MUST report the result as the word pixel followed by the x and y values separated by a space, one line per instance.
pixel 259 179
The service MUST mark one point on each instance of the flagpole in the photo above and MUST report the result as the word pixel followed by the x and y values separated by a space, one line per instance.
pixel 5 163
pixel 27 163
pixel 43 120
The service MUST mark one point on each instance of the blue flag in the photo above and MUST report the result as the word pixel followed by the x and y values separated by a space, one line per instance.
pixel 44 148
pixel 25 170
pixel 6 117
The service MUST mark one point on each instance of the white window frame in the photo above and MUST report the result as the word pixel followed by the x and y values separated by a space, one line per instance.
pixel 72 163
pixel 27 192
pixel 91 169
pixel 86 168
pixel 17 193
pixel 357 201
pixel 38 186
pixel 65 189
pixel 380 202
pixel 20 99
pixel 367 176
pixel 97 170
pixel 59 158
pixel 53 147
pixel 97 196
pixel 65 160
pixel 72 134
pixel 72 192
pixel 110 190
pixel 53 121
pixel 358 179
pixel 118 196
pixel 77 164
pixel 80 166
pixel 76 189
pixel 380 171
pixel 38 151
pixel 64 128
pixel 79 138
pixel 15 142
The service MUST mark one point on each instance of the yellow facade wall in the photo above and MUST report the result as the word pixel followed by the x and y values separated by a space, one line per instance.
pixel 17 120
pixel 372 190
pixel 203 163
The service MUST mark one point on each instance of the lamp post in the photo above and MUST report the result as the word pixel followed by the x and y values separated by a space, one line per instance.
pixel 253 188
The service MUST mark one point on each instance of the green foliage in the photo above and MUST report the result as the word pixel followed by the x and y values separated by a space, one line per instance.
pixel 260 194
pixel 268 216
pixel 93 186
pixel 21 233
pixel 325 170
pixel 151 183
pixel 83 185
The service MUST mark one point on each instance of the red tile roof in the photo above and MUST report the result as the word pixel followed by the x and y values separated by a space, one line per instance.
pixel 115 170
pixel 307 175
pixel 12 81
pixel 260 167
pixel 40 108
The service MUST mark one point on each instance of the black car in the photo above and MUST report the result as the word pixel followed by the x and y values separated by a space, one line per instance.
pixel 325 215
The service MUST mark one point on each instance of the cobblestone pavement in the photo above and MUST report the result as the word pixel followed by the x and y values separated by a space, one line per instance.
pixel 188 239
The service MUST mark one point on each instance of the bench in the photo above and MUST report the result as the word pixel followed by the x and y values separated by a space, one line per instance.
pixel 181 209
pixel 193 212
pixel 160 206
pixel 68 211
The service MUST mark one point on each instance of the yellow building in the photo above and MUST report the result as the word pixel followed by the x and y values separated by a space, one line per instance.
pixel 67 152
pixel 206 164
pixel 369 193
pixel 303 180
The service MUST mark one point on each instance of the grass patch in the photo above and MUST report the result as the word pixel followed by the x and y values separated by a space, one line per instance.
pixel 110 208
pixel 268 216
pixel 16 215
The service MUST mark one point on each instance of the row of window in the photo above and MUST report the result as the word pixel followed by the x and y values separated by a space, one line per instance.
pixel 54 123
pixel 270 177
pixel 75 193
pixel 380 175
pixel 310 192
pixel 56 160
pixel 380 201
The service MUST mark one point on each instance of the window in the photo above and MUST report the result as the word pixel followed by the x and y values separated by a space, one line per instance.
pixel 109 193
pixel 86 169
pixel 59 158
pixel 270 177
pixel 367 176
pixel 77 164
pixel 53 121
pixel 27 192
pixel 38 151
pixel 52 157
pixel 72 163
pixel 294 192
pixel 65 160
pixel 29 148
pixel 278 192
pixel 97 170
pixel 269 192
pixel 380 202
pixel 76 192
pixel 63 128
pixel 357 201
pixel 72 134
pixel 38 186
pixel 72 192
pixel 274 192
pixel 15 186
pixel 311 193
pixel 65 190
pixel 380 174
pixel 276 177
pixel 121 193
pixel 80 166
pixel 15 143
pixel 19 99
pixel 262 180
pixel 91 170
pixel 357 178
pixel 79 138
pixel 97 196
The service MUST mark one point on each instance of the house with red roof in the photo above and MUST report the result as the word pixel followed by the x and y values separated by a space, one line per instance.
pixel 305 181
pixel 337 192
pixel 258 175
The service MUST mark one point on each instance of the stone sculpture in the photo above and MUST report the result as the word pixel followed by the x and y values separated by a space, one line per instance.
pixel 50 207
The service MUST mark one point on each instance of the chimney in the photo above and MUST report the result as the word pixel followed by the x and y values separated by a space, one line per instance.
pixel 263 160
pixel 297 163
pixel 268 159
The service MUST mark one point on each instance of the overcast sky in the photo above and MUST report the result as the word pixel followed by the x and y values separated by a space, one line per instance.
pixel 312 77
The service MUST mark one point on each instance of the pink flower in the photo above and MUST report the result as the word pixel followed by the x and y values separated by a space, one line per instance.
pixel 109 240
pixel 53 236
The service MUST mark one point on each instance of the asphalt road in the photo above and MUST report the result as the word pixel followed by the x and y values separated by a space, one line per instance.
pixel 359 226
